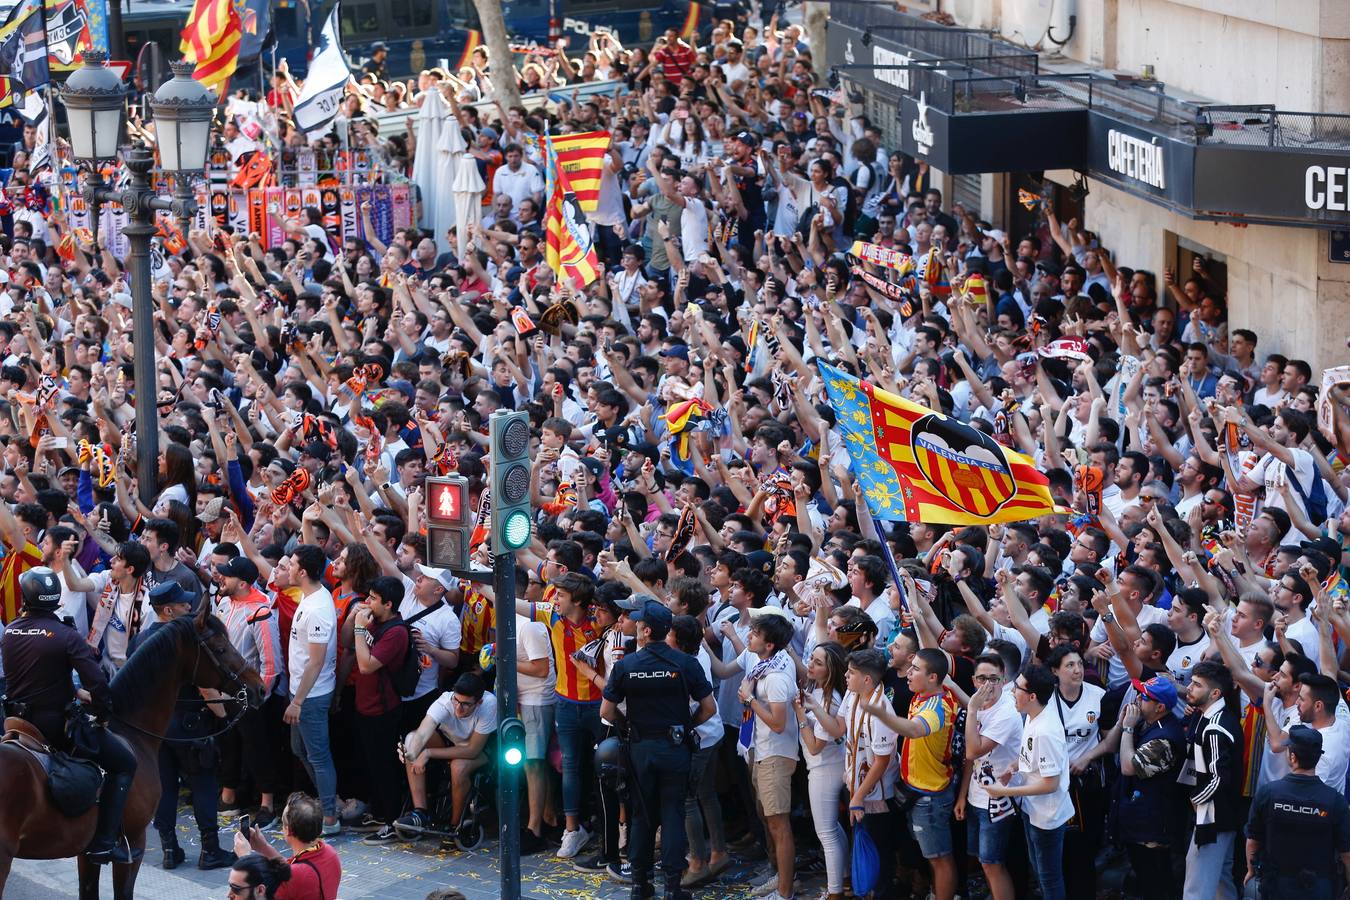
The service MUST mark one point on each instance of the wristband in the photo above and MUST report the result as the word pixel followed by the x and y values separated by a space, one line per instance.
pixel 1127 729
pixel 858 808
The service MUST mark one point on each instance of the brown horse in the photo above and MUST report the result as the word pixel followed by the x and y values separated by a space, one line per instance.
pixel 190 650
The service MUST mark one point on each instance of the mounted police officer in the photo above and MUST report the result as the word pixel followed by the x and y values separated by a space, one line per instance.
pixel 39 651
pixel 658 682
pixel 1298 827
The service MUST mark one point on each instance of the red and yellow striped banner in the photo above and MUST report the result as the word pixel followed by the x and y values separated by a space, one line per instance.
pixel 582 158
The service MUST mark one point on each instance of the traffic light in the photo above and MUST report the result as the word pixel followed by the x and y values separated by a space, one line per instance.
pixel 448 523
pixel 509 436
pixel 511 737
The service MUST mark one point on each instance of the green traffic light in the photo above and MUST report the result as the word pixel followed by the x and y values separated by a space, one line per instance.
pixel 516 529
pixel 513 756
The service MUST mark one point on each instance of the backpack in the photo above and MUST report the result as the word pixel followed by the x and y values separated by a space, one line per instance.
pixel 1315 500
pixel 404 677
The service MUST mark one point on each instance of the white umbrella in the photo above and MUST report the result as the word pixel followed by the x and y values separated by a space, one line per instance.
pixel 450 149
pixel 431 122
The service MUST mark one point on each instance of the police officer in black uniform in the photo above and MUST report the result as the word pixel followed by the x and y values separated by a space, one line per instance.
pixel 658 682
pixel 1297 827
pixel 39 652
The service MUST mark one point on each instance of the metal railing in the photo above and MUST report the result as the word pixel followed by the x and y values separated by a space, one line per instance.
pixel 1264 125
pixel 971 70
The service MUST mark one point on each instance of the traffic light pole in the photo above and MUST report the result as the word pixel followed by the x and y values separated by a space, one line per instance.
pixel 508 776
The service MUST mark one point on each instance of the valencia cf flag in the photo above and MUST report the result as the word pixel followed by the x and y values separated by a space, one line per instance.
pixel 915 465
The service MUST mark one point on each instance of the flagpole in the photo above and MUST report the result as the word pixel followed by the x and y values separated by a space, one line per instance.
pixel 890 563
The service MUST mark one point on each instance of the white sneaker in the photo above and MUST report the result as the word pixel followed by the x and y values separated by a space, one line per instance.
pixel 572 842
pixel 764 889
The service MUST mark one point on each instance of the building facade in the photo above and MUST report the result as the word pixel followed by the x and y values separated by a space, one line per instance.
pixel 1171 128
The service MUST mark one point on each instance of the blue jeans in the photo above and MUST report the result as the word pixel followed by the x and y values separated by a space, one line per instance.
pixel 309 742
pixel 1046 849
pixel 1209 869
pixel 988 839
pixel 578 733
pixel 930 821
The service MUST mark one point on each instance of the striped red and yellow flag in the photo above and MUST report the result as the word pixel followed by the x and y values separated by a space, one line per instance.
pixel 211 40
pixel 472 41
pixel 582 159
pixel 916 465
pixel 570 249
pixel 690 22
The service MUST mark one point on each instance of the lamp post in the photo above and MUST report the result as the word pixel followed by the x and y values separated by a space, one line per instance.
pixel 94 98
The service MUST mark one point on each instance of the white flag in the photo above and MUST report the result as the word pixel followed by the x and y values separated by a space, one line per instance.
pixel 328 74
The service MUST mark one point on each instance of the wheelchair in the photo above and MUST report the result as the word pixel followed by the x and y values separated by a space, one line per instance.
pixel 479 808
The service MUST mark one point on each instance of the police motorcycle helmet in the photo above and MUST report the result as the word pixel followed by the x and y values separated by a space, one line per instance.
pixel 607 754
pixel 41 590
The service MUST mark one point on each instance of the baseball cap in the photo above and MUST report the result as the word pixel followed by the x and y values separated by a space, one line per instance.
pixel 168 592
pixel 444 576
pixel 240 567
pixel 593 464
pixel 653 613
pixel 997 234
pixel 1158 689
pixel 747 137
pixel 1304 740
pixel 636 601
pixel 760 559
pixel 317 449
pixel 213 511
pixel 768 610
pixel 680 350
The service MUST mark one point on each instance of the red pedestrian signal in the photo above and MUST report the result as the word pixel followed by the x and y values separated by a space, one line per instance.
pixel 448 522
pixel 447 501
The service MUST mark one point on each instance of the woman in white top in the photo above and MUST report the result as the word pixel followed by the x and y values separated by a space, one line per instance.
pixel 1079 707
pixel 822 732
pixel 682 134
pixel 705 863
pixel 993 740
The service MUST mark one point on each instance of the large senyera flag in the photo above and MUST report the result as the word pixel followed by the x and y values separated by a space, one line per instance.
pixel 581 157
pixel 569 248
pixel 915 465
pixel 211 40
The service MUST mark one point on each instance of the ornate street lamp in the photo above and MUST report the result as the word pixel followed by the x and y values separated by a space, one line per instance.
pixel 94 98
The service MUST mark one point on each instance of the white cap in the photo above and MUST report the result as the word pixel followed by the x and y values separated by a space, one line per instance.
pixel 444 576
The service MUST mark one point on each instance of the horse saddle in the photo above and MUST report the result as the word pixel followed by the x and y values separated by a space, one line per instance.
pixel 74 784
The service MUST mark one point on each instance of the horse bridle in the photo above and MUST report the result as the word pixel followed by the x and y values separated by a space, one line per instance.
pixel 240 697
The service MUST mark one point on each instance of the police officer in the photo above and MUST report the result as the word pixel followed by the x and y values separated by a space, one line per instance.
pixel 658 682
pixel 1298 825
pixel 39 651
pixel 188 753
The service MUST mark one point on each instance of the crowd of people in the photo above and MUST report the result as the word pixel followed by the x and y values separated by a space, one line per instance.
pixel 1152 676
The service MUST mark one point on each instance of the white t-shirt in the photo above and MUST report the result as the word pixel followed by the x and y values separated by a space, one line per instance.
pixel 1304 631
pixel 832 754
pixel 865 740
pixel 1044 752
pixel 693 229
pixel 1147 615
pixel 1268 470
pixel 1002 724
pixel 532 643
pixel 1331 768
pixel 1081 719
pixel 483 720
pixel 728 703
pixel 1185 656
pixel 440 629
pixel 710 732
pixel 73 604
pixel 315 622
pixel 115 635
pixel 774 686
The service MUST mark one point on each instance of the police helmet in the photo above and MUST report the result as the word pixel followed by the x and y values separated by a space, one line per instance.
pixel 607 757
pixel 41 590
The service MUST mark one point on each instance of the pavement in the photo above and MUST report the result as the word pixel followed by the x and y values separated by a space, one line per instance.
pixel 397 871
